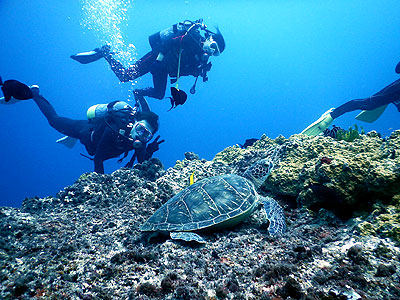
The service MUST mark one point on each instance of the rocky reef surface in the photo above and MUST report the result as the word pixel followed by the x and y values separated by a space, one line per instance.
pixel 341 201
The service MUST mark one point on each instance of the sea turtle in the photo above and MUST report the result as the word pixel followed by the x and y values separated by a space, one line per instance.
pixel 216 203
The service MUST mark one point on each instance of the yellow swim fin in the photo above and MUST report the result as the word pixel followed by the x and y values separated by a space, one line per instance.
pixel 371 116
pixel 320 125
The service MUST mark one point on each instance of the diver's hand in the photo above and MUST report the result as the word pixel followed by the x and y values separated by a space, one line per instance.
pixel 154 146
pixel 35 90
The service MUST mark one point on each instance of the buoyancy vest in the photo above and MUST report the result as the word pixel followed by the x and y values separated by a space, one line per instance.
pixel 159 41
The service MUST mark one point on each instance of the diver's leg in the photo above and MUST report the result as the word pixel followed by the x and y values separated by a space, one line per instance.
pixel 66 126
pixel 160 84
pixel 160 79
pixel 141 67
pixel 389 94
pixel 349 106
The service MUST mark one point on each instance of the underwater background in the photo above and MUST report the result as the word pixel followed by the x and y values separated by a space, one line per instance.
pixel 286 62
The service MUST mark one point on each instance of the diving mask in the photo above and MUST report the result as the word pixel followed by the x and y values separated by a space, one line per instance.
pixel 142 132
pixel 211 47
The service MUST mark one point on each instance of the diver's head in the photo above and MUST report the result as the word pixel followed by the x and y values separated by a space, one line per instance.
pixel 211 47
pixel 144 128
pixel 214 44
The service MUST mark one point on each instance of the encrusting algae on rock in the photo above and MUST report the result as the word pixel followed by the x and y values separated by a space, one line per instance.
pixel 85 242
pixel 354 172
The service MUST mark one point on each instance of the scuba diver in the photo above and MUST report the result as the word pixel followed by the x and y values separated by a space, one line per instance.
pixel 180 50
pixel 372 107
pixel 110 130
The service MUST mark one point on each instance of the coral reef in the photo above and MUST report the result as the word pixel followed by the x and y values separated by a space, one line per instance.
pixel 358 173
pixel 341 199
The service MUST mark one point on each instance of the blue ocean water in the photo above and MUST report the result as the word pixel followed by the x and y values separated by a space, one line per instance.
pixel 286 62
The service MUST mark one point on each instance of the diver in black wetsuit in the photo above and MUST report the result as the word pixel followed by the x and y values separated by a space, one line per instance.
pixel 111 129
pixel 372 107
pixel 119 130
pixel 186 46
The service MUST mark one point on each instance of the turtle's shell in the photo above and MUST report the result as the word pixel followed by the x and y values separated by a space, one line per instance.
pixel 216 202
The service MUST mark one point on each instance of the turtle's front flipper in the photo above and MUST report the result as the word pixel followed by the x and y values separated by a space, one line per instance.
pixel 187 237
pixel 275 215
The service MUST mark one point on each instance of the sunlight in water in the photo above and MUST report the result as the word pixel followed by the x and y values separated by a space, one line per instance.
pixel 106 19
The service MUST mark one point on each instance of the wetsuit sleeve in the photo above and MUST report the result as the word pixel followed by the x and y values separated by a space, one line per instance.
pixel 99 156
pixel 141 154
pixel 131 161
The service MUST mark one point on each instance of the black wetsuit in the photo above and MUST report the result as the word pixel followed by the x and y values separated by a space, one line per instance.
pixel 193 62
pixel 389 94
pixel 101 140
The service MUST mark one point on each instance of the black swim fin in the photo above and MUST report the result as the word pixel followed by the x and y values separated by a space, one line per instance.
pixel 397 70
pixel 91 56
pixel 7 95
pixel 87 57
pixel 15 89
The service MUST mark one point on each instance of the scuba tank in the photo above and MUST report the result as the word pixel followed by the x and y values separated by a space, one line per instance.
pixel 119 116
pixel 99 112
pixel 96 112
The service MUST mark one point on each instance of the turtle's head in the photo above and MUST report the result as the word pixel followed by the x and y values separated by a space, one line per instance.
pixel 259 171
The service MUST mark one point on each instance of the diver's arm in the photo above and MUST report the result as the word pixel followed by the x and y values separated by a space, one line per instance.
pixel 131 161
pixel 150 149
pixel 99 158
pixel 141 154
pixel 104 150
pixel 98 166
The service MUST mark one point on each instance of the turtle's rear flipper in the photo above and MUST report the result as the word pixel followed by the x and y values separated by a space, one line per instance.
pixel 275 215
pixel 187 237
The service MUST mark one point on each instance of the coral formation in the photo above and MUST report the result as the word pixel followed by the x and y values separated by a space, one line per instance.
pixel 84 243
